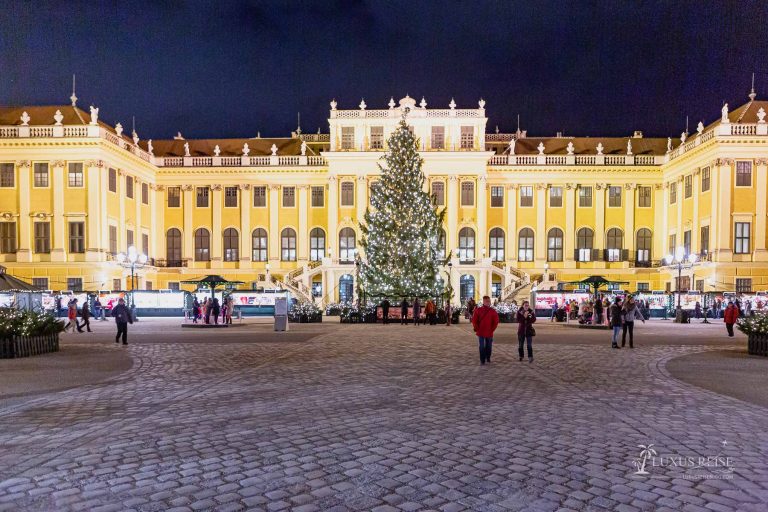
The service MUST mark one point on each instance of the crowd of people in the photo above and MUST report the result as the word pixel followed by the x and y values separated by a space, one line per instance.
pixel 209 310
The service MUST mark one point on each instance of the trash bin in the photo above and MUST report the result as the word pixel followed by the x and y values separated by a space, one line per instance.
pixel 281 314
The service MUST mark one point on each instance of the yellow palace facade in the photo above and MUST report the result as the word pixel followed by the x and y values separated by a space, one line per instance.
pixel 522 211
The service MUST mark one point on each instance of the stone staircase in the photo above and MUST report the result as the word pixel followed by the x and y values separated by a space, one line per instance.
pixel 293 283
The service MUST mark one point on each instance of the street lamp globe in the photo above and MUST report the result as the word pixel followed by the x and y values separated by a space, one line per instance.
pixel 692 258
pixel 120 257
pixel 668 259
pixel 680 254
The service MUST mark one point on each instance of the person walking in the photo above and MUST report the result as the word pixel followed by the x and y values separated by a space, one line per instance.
pixel 471 305
pixel 230 309
pixel 630 312
pixel 215 310
pixel 404 312
pixel 697 310
pixel 122 316
pixel 730 316
pixel 525 331
pixel 430 309
pixel 97 308
pixel 447 310
pixel 614 317
pixel 385 311
pixel 485 320
pixel 85 314
pixel 416 311
pixel 195 310
pixel 72 316
pixel 224 306
pixel 207 311
pixel 554 311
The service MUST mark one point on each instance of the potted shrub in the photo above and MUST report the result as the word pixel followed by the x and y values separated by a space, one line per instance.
pixel 756 329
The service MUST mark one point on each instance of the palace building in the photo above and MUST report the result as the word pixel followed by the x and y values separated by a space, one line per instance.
pixel 522 211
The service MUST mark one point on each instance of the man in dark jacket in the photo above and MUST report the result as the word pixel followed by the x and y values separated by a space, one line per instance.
pixel 385 311
pixel 85 314
pixel 485 320
pixel 526 317
pixel 122 317
pixel 404 312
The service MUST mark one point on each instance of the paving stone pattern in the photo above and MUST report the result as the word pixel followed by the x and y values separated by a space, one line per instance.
pixel 378 418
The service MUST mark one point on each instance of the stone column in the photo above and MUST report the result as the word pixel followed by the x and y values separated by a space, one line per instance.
pixel 511 240
pixel 246 240
pixel 274 225
pixel 157 222
pixel 137 200
pixel 629 219
pixel 761 182
pixel 333 217
pixel 217 235
pixel 663 244
pixel 189 229
pixel 302 241
pixel 483 283
pixel 680 196
pixel 482 214
pixel 93 230
pixel 600 189
pixel 24 245
pixel 569 244
pixel 453 215
pixel 540 244
pixel 713 213
pixel 724 221
pixel 60 247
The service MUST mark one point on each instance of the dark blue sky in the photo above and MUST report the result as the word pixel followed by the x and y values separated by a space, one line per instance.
pixel 232 68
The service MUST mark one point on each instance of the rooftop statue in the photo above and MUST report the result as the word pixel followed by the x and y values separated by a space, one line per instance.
pixel 569 148
pixel 186 149
pixel 724 114
pixel 94 115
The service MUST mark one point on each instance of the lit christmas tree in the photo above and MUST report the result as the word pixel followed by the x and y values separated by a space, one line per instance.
pixel 402 226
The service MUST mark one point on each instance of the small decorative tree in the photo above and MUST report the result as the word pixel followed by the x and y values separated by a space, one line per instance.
pixel 402 226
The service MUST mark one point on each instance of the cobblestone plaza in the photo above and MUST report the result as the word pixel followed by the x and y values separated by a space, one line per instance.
pixel 361 417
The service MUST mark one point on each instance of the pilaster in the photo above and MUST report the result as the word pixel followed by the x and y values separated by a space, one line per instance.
pixel 540 247
pixel 274 225
pixel 333 219
pixel 138 203
pixel 157 222
pixel 121 200
pixel 629 219
pixel 217 238
pixel 761 185
pixel 189 229
pixel 660 201
pixel 453 215
pixel 600 189
pixel 695 243
pixel 94 244
pixel 569 244
pixel 24 243
pixel 511 238
pixel 482 214
pixel 724 249
pixel 360 199
pixel 58 251
pixel 302 242
pixel 246 238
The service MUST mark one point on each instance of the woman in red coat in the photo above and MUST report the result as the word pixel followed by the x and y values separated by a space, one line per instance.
pixel 526 317
pixel 485 320
pixel 730 316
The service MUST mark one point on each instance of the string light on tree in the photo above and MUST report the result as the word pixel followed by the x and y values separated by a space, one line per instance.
pixel 402 226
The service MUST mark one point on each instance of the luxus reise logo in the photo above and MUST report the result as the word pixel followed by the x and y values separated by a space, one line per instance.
pixel 692 467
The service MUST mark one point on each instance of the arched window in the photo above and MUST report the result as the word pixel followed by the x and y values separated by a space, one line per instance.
pixel 441 244
pixel 525 245
pixel 614 244
pixel 643 245
pixel 346 288
pixel 231 245
pixel 555 245
pixel 316 244
pixel 288 245
pixel 347 245
pixel 466 288
pixel 259 240
pixel 202 245
pixel 173 247
pixel 496 243
pixel 585 238
pixel 467 244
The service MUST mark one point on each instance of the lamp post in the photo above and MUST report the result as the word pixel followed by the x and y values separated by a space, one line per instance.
pixel 266 267
pixel 132 260
pixel 450 280
pixel 680 261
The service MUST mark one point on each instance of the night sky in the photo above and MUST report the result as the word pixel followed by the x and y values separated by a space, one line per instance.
pixel 231 68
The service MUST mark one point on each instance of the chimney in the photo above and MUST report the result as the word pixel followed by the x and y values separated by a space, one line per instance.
pixel 637 135
pixel 559 135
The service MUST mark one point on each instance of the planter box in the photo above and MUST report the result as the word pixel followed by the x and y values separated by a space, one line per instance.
pixel 757 344
pixel 25 346
pixel 305 319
